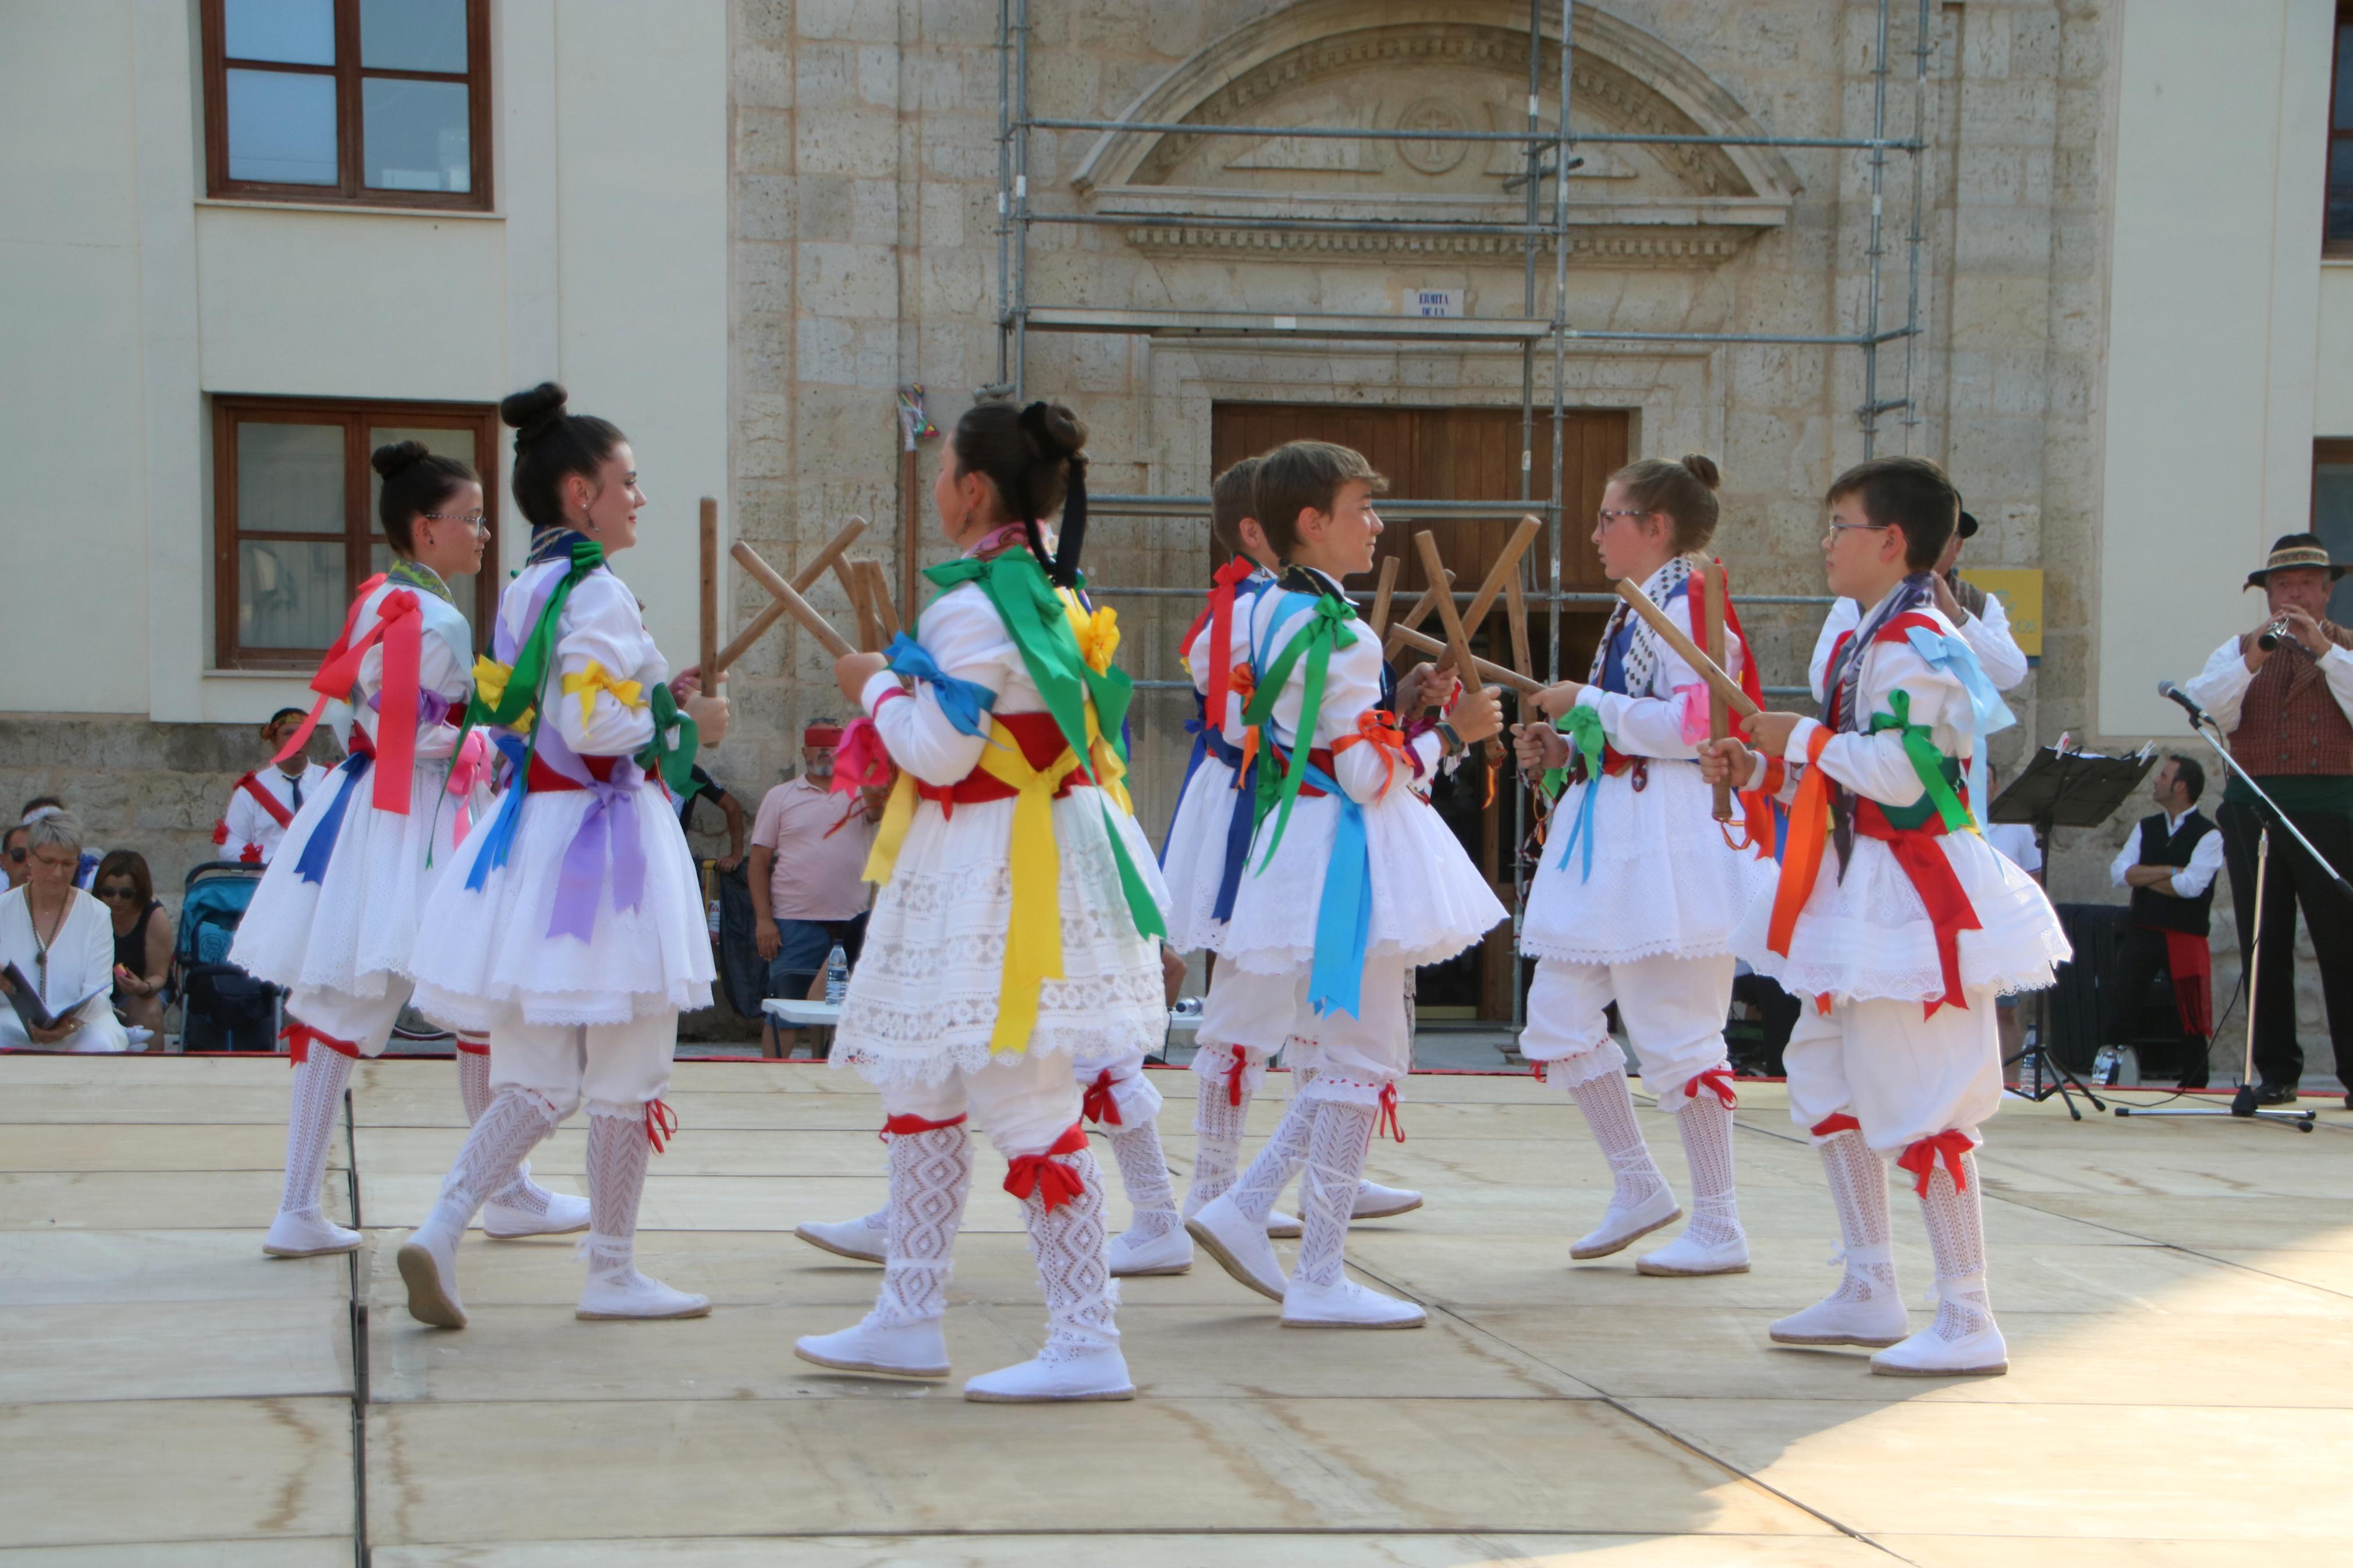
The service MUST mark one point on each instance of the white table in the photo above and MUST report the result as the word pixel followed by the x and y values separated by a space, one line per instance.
pixel 804 1014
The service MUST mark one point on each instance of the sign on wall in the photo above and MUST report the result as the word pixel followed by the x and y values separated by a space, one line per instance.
pixel 2020 589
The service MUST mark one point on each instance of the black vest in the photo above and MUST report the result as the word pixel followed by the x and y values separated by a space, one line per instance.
pixel 2164 910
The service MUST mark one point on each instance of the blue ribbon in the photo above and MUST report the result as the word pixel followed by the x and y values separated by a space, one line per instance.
pixel 1344 922
pixel 1239 826
pixel 320 847
pixel 501 837
pixel 1990 714
pixel 963 701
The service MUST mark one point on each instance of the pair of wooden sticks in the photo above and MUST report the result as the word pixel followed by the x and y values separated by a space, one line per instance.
pixel 865 582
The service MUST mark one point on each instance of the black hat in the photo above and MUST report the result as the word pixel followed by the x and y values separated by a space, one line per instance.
pixel 1968 526
pixel 2291 550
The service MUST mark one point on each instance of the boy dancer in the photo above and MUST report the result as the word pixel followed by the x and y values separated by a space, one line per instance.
pixel 1353 881
pixel 1904 942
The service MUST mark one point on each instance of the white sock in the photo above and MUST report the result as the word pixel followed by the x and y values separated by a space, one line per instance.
pixel 1706 1123
pixel 1338 1144
pixel 1956 1241
pixel 474 1089
pixel 931 1173
pixel 317 1099
pixel 618 1153
pixel 1607 1102
pixel 1144 1171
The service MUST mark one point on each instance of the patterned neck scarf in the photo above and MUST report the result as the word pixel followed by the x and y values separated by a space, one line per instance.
pixel 1643 650
pixel 417 574
pixel 556 544
pixel 1844 682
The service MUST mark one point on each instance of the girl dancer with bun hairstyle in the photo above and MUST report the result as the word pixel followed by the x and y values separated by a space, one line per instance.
pixel 1640 890
pixel 336 915
pixel 1012 943
pixel 570 927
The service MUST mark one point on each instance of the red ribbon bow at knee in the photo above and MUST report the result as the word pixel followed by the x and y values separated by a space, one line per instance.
pixel 1386 1120
pixel 661 1125
pixel 300 1037
pixel 1921 1158
pixel 1097 1104
pixel 1717 1081
pixel 1054 1183
pixel 1234 1077
pixel 1834 1123
pixel 899 1126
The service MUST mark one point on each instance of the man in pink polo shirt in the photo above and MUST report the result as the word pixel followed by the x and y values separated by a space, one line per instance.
pixel 809 888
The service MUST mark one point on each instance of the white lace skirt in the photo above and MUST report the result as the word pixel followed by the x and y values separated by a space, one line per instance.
pixel 1430 902
pixel 1868 936
pixel 1196 856
pixel 355 927
pixel 923 997
pixel 484 957
pixel 1665 882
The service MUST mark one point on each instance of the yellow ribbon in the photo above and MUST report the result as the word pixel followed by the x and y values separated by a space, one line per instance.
pixel 1098 634
pixel 490 679
pixel 596 678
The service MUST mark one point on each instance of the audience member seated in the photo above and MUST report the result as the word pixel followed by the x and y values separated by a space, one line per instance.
pixel 48 805
pixel 142 941
pixel 262 804
pixel 58 940
pixel 807 875
pixel 14 856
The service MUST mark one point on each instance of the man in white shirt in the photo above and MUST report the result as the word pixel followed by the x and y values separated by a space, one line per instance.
pixel 1976 615
pixel 262 806
pixel 2169 861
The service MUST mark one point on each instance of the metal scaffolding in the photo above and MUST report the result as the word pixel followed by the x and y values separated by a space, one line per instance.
pixel 1546 155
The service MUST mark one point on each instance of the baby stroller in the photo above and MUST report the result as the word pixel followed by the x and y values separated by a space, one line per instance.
pixel 226 1008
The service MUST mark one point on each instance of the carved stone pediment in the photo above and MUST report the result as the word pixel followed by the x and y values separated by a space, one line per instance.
pixel 1446 66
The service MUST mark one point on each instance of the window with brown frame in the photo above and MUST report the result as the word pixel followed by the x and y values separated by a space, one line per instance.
pixel 373 102
pixel 2332 517
pixel 2336 226
pixel 294 523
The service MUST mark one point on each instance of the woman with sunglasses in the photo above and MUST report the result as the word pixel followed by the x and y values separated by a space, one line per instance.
pixel 142 941
pixel 337 912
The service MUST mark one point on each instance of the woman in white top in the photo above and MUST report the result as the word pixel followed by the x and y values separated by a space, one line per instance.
pixel 570 927
pixel 62 941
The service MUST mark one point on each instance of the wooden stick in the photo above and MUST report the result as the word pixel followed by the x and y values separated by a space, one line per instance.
pixel 878 594
pixel 845 574
pixel 803 580
pixel 707 645
pixel 1526 686
pixel 1414 616
pixel 1719 717
pixel 861 583
pixel 1458 641
pixel 790 598
pixel 1506 567
pixel 1673 635
pixel 1516 612
pixel 1381 617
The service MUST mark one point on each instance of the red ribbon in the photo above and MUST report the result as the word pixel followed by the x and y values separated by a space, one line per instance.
pixel 1386 1120
pixel 473 1047
pixel 220 831
pixel 1097 1104
pixel 1717 1081
pixel 1920 1159
pixel 250 854
pixel 1218 614
pixel 661 1125
pixel 397 627
pixel 1838 1122
pixel 1755 805
pixel 300 1037
pixel 861 760
pixel 1054 1183
pixel 1949 910
pixel 2186 954
pixel 900 1126
pixel 269 802
pixel 1234 1078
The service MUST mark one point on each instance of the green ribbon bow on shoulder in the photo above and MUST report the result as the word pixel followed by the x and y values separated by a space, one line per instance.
pixel 1936 771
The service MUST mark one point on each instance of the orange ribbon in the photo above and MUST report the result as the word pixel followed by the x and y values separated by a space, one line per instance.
pixel 1921 1158
pixel 1801 856
pixel 1376 727
pixel 1097 1104
pixel 1054 1183
pixel 661 1125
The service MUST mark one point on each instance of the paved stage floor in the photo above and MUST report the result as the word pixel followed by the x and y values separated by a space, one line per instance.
pixel 2178 1298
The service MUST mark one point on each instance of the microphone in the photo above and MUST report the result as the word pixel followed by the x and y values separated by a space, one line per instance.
pixel 2172 693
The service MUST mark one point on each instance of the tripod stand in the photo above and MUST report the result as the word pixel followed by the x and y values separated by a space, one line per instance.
pixel 2243 1104
pixel 2064 789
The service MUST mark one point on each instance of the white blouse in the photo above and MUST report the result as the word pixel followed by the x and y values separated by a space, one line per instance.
pixel 81 960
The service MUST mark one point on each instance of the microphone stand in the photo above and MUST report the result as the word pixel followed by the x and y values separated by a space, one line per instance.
pixel 2268 816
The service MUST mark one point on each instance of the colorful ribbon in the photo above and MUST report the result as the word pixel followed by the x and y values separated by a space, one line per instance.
pixel 500 838
pixel 1836 1123
pixel 661 1124
pixel 900 1126
pixel 966 703
pixel 1801 855
pixel 1328 628
pixel 1921 1158
pixel 320 847
pixel 1387 1120
pixel 1343 916
pixel 1583 726
pixel 397 626
pixel 593 678
pixel 1098 1104
pixel 1054 1183
pixel 861 760
pixel 1717 1081
pixel 300 1037
pixel 611 822
pixel 469 768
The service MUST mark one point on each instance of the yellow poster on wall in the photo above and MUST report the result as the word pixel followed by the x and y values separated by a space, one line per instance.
pixel 2020 589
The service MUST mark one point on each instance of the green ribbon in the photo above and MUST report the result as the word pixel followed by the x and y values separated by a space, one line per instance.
pixel 1938 772
pixel 1326 629
pixel 1039 626
pixel 671 752
pixel 1582 725
pixel 531 664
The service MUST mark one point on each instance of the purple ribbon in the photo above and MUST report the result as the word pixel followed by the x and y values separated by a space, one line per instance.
pixel 612 814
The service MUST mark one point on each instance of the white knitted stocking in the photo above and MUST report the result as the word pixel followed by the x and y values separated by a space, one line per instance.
pixel 1144 1171
pixel 1068 1242
pixel 506 1132
pixel 523 1193
pixel 1956 1241
pixel 1336 1147
pixel 1219 1118
pixel 618 1152
pixel 319 1080
pixel 1608 1106
pixel 931 1173
pixel 1705 1122
pixel 1858 1180
pixel 1254 1195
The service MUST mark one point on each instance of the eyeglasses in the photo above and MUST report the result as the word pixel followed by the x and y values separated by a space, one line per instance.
pixel 1860 527
pixel 1601 519
pixel 472 520
pixel 111 894
pixel 16 855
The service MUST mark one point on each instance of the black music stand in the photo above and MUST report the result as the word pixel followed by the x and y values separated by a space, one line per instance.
pixel 2063 789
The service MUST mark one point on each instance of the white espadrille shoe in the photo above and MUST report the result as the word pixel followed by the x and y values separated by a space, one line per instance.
pixel 1866 1309
pixel 1375 1201
pixel 1964 1341
pixel 1620 1228
pixel 1346 1305
pixel 1133 1256
pixel 309 1233
pixel 880 1350
pixel 428 1267
pixel 1282 1226
pixel 867 1238
pixel 1240 1248
pixel 540 1213
pixel 1687 1257
pixel 616 1292
pixel 1051 1379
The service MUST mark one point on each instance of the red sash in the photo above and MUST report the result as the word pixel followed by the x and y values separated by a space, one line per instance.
pixel 2187 956
pixel 1043 745
pixel 1949 910
pixel 269 802
pixel 1755 805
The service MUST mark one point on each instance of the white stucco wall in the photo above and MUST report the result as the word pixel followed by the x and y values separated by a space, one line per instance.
pixel 130 298
pixel 2214 290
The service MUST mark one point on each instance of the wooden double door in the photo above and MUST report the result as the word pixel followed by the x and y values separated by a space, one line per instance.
pixel 1464 454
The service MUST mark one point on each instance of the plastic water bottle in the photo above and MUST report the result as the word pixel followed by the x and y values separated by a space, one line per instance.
pixel 837 974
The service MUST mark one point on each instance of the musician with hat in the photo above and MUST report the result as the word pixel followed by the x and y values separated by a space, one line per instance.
pixel 2284 694
pixel 808 870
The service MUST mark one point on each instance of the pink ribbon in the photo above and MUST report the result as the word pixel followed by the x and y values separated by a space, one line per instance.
pixel 469 769
pixel 861 761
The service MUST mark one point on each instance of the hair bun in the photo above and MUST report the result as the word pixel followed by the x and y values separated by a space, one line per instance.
pixel 1702 468
pixel 534 413
pixel 389 460
pixel 1054 430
